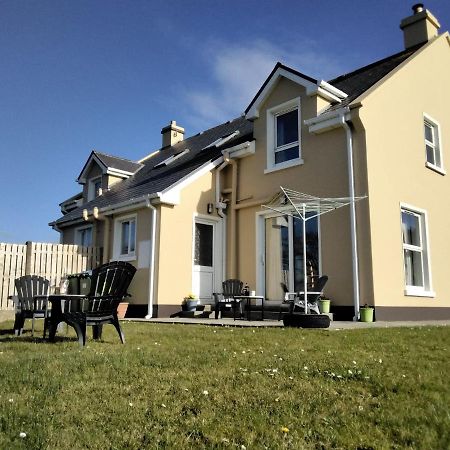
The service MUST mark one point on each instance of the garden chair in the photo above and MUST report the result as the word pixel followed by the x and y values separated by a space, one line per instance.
pixel 226 299
pixel 109 284
pixel 27 307
pixel 297 299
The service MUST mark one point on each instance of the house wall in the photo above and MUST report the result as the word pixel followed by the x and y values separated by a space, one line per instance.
pixel 174 280
pixel 324 173
pixel 393 119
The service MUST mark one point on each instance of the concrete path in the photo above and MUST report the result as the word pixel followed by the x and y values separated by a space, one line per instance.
pixel 336 325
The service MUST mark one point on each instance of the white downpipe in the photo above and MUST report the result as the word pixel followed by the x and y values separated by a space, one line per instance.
pixel 152 270
pixel 305 279
pixel 351 185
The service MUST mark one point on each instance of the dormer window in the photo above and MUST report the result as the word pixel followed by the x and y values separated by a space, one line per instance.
pixel 95 188
pixel 283 136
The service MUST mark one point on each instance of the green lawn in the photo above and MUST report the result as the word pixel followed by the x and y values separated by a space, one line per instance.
pixel 186 386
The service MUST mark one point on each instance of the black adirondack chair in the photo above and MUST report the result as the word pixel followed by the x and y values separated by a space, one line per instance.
pixel 27 307
pixel 230 288
pixel 109 284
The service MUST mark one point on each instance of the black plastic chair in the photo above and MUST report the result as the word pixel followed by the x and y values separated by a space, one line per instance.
pixel 109 284
pixel 27 307
pixel 222 301
pixel 298 298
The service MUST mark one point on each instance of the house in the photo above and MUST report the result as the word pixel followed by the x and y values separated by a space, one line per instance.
pixel 190 214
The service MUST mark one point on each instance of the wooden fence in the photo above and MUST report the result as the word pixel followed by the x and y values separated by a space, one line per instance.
pixel 51 261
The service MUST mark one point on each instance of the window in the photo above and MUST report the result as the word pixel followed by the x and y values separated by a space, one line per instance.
pixel 415 252
pixel 203 245
pixel 432 145
pixel 95 188
pixel 283 136
pixel 84 236
pixel 125 238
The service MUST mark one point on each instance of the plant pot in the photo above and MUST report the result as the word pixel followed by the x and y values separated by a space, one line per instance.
pixel 122 310
pixel 366 314
pixel 189 305
pixel 324 306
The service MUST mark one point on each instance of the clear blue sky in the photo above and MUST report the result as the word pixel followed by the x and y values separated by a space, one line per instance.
pixel 79 75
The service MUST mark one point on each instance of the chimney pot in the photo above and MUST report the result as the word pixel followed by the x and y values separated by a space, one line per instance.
pixel 417 8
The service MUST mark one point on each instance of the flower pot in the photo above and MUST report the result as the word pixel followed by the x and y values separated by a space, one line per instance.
pixel 189 305
pixel 324 306
pixel 122 310
pixel 366 314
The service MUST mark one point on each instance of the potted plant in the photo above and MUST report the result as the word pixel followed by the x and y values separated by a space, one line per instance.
pixel 324 305
pixel 366 313
pixel 189 303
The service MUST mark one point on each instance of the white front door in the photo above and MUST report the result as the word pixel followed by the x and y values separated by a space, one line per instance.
pixel 205 258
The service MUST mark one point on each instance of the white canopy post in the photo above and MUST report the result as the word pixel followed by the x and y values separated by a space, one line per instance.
pixel 305 207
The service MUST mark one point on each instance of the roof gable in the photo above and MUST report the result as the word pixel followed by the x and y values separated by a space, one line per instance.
pixel 312 86
pixel 111 165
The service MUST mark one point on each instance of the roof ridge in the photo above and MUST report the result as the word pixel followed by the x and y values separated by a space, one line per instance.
pixel 116 157
pixel 373 64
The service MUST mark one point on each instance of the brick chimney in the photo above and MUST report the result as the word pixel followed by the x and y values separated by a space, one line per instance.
pixel 420 27
pixel 171 134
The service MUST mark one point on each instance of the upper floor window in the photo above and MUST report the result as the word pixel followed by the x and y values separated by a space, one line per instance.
pixel 95 188
pixel 433 145
pixel 283 136
pixel 125 238
pixel 84 236
pixel 415 252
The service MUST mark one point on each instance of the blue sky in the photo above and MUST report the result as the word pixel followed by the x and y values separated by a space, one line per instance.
pixel 79 75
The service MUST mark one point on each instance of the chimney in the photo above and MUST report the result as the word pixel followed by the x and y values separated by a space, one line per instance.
pixel 171 134
pixel 420 27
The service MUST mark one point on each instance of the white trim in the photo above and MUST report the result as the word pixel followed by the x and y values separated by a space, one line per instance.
pixel 327 121
pixel 253 112
pixel 427 289
pixel 271 146
pixel 241 150
pixel 436 145
pixel 117 238
pixel 118 173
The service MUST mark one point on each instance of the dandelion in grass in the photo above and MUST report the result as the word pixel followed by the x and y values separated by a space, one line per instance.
pixel 380 360
pixel 305 368
pixel 130 404
pixel 10 400
pixel 22 434
pixel 360 408
pixel 205 392
pixel 285 429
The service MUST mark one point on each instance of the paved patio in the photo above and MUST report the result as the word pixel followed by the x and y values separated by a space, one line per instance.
pixel 336 325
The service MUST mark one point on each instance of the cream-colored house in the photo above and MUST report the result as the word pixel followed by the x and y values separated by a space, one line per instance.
pixel 190 215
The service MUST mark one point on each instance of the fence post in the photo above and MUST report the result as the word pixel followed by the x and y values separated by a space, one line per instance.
pixel 28 257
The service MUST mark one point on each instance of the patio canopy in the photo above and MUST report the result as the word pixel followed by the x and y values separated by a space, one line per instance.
pixel 306 207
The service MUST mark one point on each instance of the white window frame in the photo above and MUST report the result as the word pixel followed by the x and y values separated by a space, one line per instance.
pixel 437 146
pixel 117 255
pixel 78 234
pixel 426 290
pixel 271 118
pixel 91 188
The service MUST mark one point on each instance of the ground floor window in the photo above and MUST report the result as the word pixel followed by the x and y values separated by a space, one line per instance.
pixel 84 236
pixel 415 251
pixel 284 254
pixel 125 238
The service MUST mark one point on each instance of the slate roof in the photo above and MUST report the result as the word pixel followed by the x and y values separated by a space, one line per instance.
pixel 155 177
pixel 357 82
pixel 151 179
pixel 118 163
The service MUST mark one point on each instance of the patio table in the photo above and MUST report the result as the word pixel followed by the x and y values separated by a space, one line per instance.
pixel 249 299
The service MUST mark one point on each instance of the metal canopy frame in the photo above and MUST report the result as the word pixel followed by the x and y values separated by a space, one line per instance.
pixel 306 207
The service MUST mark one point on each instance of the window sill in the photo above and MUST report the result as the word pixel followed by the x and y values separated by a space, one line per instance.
pixel 285 165
pixel 435 168
pixel 125 258
pixel 410 292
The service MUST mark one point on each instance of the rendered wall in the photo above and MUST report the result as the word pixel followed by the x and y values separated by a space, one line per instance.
pixel 393 118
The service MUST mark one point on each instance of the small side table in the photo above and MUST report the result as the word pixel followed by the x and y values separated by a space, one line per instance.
pixel 249 299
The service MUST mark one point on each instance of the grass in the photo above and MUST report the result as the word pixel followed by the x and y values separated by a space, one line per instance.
pixel 186 386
